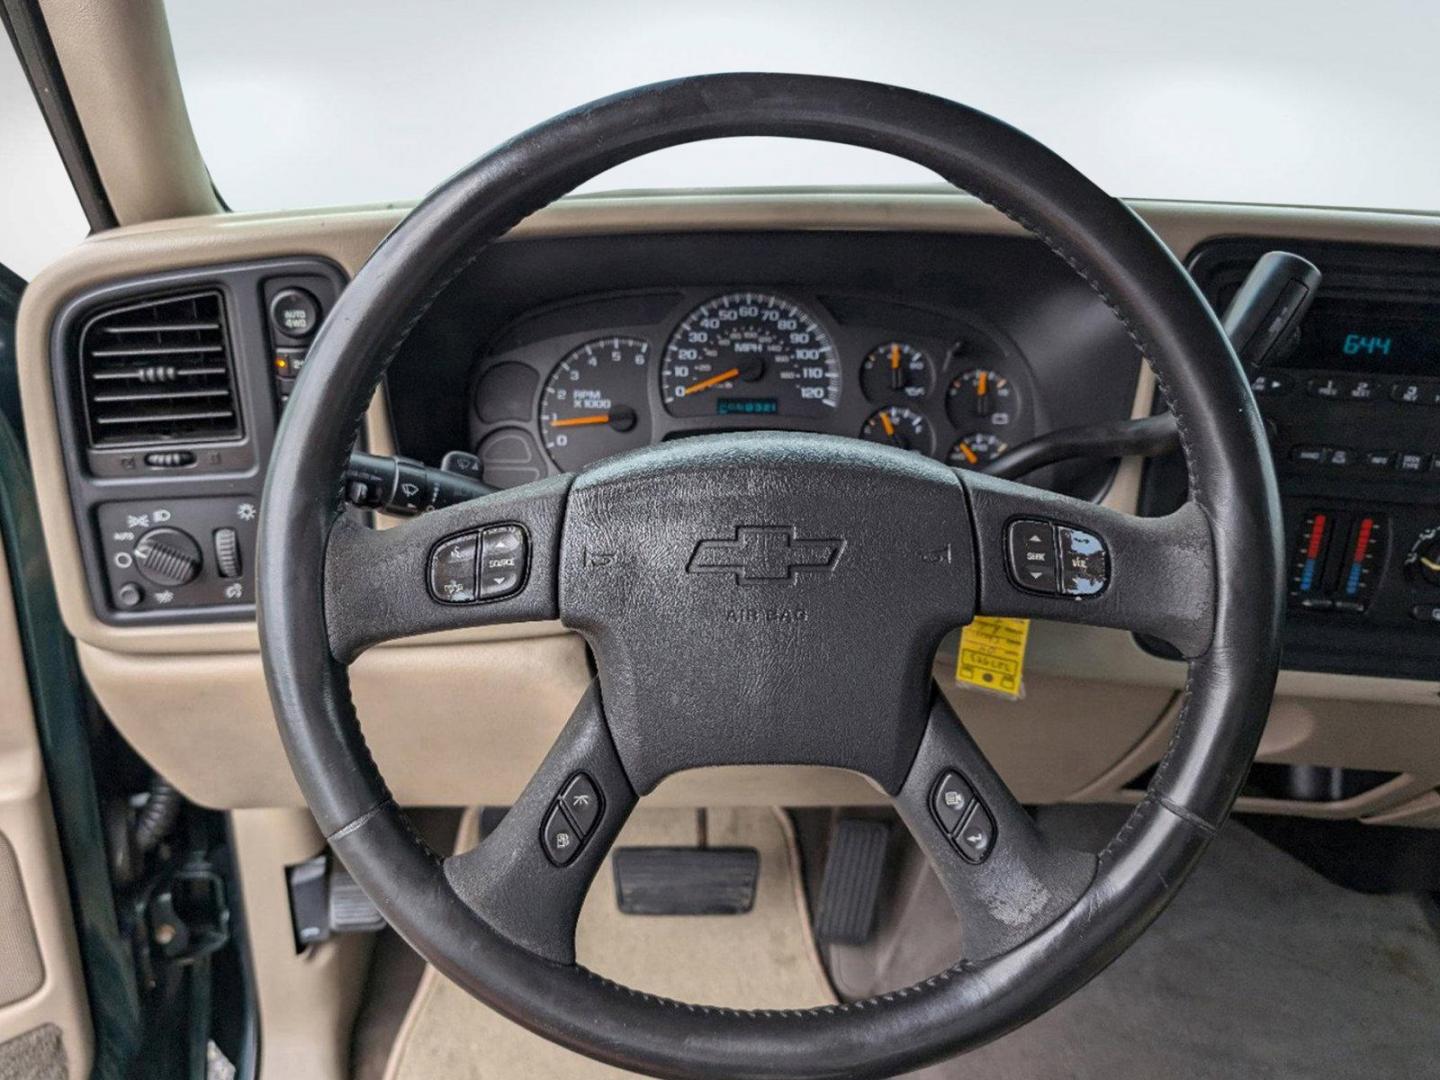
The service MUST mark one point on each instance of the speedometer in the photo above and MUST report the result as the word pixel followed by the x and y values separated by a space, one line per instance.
pixel 750 354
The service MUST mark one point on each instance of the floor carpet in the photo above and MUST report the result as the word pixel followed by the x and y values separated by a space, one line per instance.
pixel 1260 970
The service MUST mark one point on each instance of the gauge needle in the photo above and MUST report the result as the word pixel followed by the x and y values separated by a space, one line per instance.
pixel 897 381
pixel 970 455
pixel 713 380
pixel 1430 564
pixel 984 386
pixel 888 425
pixel 579 421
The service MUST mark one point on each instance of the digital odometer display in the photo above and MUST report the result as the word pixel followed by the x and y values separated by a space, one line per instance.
pixel 750 354
pixel 1379 338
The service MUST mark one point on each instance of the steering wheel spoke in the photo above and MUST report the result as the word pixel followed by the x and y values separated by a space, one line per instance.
pixel 529 876
pixel 1048 556
pixel 490 560
pixel 1005 878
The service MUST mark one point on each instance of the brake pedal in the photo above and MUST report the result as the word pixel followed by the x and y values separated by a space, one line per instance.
pixel 850 887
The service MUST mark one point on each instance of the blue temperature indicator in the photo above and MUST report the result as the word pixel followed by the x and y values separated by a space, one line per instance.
pixel 1366 345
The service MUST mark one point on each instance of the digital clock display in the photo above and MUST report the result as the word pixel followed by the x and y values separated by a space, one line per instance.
pixel 1389 338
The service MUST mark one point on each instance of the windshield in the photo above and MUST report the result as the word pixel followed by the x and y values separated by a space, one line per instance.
pixel 1288 101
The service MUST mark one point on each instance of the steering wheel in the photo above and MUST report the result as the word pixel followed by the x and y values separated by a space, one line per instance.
pixel 756 566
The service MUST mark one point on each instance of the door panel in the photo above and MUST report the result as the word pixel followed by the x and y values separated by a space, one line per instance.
pixel 44 1017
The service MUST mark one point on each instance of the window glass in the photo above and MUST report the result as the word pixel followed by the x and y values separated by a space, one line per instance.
pixel 40 215
pixel 1291 101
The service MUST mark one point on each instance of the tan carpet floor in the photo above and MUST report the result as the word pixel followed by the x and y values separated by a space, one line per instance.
pixel 763 959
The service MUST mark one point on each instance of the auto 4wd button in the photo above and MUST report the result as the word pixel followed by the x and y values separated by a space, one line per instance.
pixel 502 561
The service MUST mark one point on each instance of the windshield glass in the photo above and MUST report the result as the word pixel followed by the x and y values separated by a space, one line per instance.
pixel 1289 101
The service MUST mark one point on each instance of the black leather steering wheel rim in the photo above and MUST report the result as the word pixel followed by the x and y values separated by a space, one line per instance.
pixel 309 633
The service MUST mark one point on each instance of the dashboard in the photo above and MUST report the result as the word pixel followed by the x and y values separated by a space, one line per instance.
pixel 902 297
pixel 942 383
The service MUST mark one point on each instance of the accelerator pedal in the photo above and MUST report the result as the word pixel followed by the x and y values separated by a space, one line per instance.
pixel 850 887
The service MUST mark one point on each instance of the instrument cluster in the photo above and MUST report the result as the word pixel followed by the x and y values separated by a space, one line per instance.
pixel 556 391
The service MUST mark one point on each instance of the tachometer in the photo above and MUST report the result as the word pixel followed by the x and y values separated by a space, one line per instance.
pixel 750 354
pixel 594 402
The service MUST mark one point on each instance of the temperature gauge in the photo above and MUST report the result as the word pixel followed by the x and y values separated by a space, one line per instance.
pixel 899 427
pixel 982 397
pixel 896 370
pixel 977 448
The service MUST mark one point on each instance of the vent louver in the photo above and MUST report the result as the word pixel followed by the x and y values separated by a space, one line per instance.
pixel 159 372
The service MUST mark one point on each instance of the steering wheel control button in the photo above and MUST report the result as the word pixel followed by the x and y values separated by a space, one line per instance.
pixel 581 801
pixel 976 837
pixel 294 313
pixel 453 564
pixel 502 561
pixel 1084 563
pixel 1033 562
pixel 951 802
pixel 561 841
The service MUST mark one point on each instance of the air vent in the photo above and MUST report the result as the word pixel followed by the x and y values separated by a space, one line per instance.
pixel 159 372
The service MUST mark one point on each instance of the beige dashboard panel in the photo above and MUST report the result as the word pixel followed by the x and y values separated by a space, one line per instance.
pixel 152 679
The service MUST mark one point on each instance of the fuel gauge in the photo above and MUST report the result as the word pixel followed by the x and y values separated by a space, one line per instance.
pixel 976 449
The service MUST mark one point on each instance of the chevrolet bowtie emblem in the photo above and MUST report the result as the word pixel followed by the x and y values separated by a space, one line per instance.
pixel 765 553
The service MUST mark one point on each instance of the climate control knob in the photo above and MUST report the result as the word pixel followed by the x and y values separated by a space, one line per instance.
pixel 167 557
pixel 1423 561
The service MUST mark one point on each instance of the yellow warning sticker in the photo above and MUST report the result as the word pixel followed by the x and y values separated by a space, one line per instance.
pixel 992 656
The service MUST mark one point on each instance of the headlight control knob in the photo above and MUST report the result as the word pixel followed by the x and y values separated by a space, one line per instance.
pixel 167 557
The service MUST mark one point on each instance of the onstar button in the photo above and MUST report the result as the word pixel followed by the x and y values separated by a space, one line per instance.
pixel 1032 555
pixel 452 569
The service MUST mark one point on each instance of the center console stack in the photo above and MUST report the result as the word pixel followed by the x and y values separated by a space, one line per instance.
pixel 1351 401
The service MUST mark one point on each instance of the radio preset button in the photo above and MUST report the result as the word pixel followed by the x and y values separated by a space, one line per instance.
pixel 1414 393
pixel 1364 390
pixel 1328 387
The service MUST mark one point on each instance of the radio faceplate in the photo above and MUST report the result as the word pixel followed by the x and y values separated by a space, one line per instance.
pixel 1352 405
